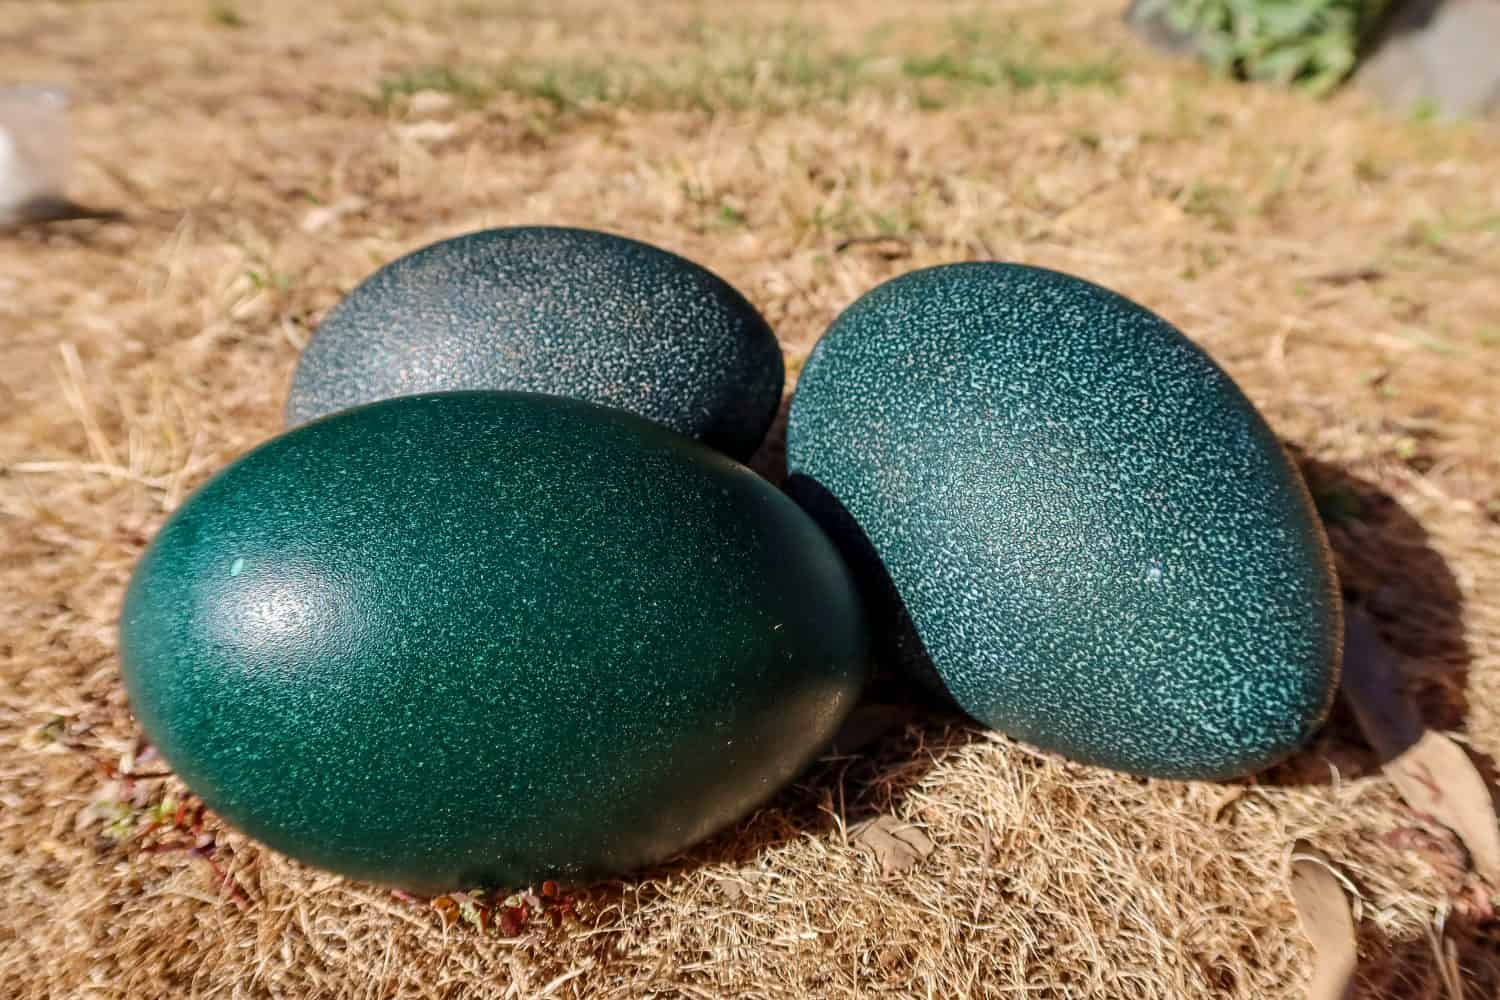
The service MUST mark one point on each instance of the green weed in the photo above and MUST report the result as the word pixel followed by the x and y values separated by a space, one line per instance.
pixel 788 68
pixel 226 15
pixel 443 79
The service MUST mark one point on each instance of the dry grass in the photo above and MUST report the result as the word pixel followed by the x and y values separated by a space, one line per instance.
pixel 1340 263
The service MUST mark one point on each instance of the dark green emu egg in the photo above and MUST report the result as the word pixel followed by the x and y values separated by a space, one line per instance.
pixel 567 312
pixel 1063 509
pixel 483 638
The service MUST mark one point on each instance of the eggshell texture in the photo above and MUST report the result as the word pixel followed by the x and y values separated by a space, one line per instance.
pixel 488 638
pixel 568 312
pixel 1064 510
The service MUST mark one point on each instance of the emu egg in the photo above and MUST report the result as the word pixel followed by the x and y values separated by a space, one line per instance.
pixel 486 638
pixel 567 312
pixel 1067 513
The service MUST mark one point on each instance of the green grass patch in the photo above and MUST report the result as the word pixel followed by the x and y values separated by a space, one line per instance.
pixel 995 69
pixel 468 86
pixel 1215 203
pixel 788 68
pixel 269 280
pixel 226 15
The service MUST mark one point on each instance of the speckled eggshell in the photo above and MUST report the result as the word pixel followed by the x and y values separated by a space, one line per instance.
pixel 487 638
pixel 568 312
pixel 1066 510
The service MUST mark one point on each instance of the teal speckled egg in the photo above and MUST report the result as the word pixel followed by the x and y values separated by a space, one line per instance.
pixel 567 312
pixel 487 638
pixel 1069 514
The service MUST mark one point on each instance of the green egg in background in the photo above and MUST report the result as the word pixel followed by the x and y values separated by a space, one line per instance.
pixel 1069 517
pixel 484 638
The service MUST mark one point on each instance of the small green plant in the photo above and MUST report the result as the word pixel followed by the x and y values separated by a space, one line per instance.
pixel 785 68
pixel 1312 43
pixel 1213 202
pixel 443 79
pixel 269 279
pixel 1425 110
pixel 982 55
pixel 226 15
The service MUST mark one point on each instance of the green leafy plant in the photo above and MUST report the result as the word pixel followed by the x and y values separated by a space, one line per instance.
pixel 1312 43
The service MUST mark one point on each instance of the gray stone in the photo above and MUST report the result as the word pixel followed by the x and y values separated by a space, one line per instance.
pixel 1439 54
pixel 1148 19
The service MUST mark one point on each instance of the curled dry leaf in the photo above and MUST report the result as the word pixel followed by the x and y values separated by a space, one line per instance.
pixel 447 909
pixel 897 846
pixel 1433 774
pixel 1324 911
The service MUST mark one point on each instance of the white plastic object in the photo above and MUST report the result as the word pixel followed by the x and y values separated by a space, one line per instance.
pixel 36 151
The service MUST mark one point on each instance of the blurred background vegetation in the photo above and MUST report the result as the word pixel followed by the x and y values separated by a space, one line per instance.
pixel 1312 43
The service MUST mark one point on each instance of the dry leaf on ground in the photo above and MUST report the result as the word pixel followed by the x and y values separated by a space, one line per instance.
pixel 1434 775
pixel 897 846
pixel 1326 920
